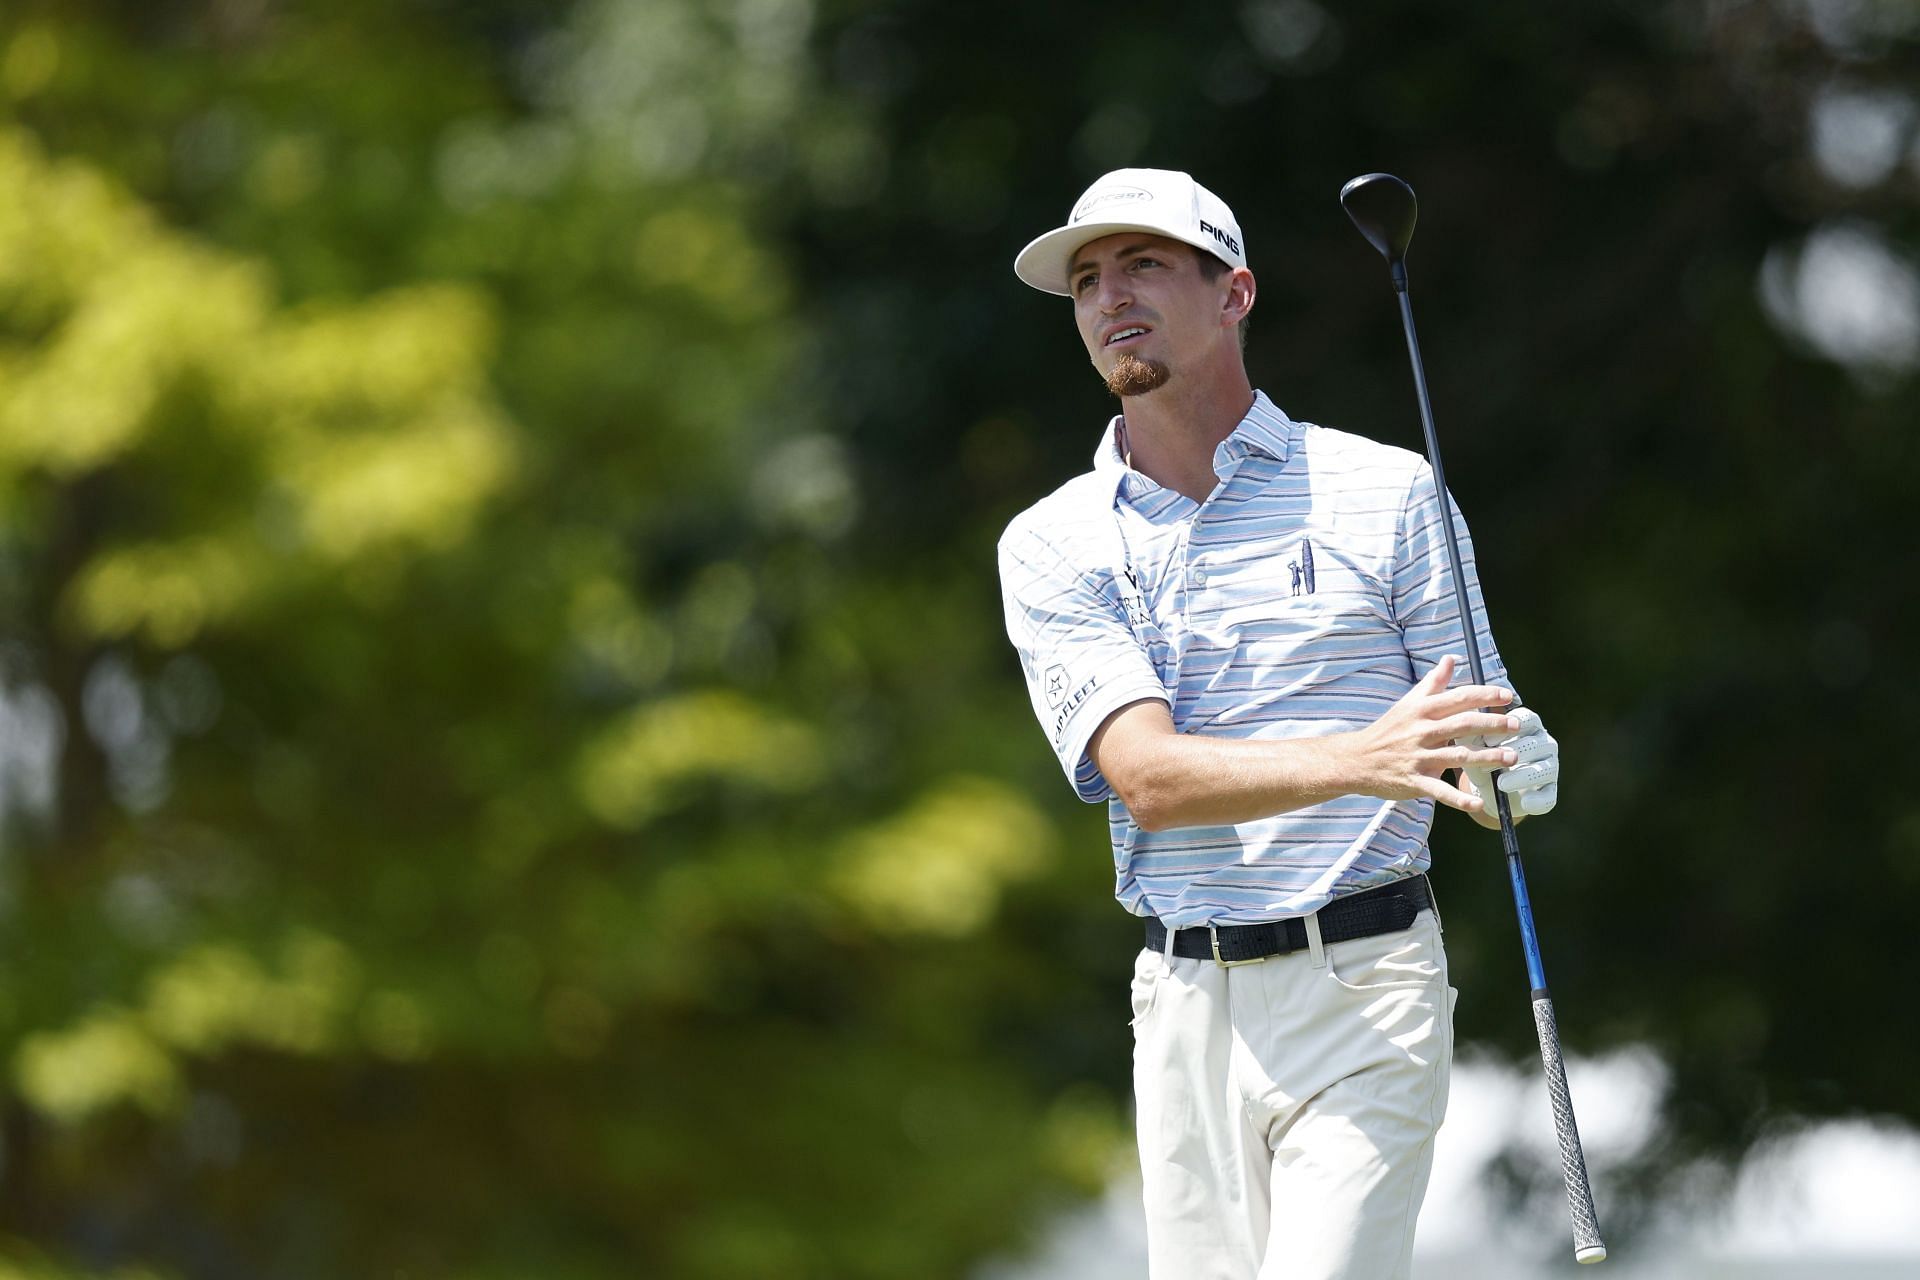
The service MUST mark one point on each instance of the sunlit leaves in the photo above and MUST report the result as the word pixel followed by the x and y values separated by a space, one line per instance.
pixel 217 995
pixel 645 761
pixel 108 1058
pixel 204 1001
pixel 16 1267
pixel 940 866
pixel 411 464
pixel 714 259
pixel 115 312
pixel 370 426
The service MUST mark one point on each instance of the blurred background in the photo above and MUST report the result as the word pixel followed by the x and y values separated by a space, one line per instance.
pixel 509 764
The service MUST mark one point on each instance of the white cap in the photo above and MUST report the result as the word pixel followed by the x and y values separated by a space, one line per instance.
pixel 1162 201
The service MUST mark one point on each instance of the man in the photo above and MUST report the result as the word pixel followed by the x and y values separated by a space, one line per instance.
pixel 1238 630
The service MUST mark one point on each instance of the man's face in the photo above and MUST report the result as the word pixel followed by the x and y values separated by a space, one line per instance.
pixel 1144 309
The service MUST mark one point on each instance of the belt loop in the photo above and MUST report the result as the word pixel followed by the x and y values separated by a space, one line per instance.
pixel 1168 953
pixel 1314 947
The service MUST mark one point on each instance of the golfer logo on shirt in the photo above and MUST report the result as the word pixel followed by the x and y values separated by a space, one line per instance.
pixel 1302 569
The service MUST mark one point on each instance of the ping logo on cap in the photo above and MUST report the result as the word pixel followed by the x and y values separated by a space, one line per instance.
pixel 1113 195
pixel 1220 235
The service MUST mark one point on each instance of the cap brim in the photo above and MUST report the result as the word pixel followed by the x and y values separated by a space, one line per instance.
pixel 1044 262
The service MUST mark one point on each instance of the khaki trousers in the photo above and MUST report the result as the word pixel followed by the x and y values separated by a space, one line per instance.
pixel 1287 1109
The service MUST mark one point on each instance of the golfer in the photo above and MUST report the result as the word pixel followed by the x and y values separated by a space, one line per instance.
pixel 1239 631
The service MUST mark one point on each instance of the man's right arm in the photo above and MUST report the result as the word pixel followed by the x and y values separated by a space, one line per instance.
pixel 1171 779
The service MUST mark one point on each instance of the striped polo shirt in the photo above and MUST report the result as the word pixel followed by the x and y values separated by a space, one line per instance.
pixel 1304 597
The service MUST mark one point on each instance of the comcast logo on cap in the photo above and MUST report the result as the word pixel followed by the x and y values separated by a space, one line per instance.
pixel 1116 195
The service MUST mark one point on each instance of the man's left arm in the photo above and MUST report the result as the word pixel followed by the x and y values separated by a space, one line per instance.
pixel 1428 612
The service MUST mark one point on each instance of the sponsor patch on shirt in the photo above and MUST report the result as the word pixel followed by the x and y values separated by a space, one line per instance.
pixel 1068 702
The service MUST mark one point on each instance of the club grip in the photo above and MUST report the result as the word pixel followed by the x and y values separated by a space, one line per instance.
pixel 1587 1246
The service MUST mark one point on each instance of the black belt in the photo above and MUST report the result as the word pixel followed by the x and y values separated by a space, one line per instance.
pixel 1387 909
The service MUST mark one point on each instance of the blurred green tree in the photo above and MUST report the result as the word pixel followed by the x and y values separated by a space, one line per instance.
pixel 450 833
pixel 510 762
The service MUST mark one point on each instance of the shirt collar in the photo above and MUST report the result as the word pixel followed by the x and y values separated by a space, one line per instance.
pixel 1107 456
pixel 1107 461
pixel 1265 430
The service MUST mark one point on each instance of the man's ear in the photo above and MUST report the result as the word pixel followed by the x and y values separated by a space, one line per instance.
pixel 1240 294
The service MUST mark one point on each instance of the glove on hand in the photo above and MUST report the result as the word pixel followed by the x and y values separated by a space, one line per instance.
pixel 1532 784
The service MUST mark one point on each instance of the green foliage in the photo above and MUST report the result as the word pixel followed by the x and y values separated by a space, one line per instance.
pixel 445 871
pixel 26 1264
pixel 510 763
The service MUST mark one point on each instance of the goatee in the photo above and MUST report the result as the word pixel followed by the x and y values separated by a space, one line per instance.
pixel 1132 376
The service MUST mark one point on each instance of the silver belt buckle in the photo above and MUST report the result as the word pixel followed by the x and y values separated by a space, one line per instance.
pixel 1213 935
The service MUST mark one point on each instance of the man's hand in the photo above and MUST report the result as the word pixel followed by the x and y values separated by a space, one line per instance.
pixel 1169 779
pixel 1403 754
pixel 1533 783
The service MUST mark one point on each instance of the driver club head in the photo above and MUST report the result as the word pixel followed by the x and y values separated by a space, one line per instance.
pixel 1384 209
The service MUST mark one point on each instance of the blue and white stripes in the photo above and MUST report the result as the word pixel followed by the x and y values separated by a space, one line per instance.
pixel 1303 598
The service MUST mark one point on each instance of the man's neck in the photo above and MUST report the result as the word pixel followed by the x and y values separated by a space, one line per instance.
pixel 1172 433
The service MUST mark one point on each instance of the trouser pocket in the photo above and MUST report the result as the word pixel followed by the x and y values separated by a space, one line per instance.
pixel 1149 967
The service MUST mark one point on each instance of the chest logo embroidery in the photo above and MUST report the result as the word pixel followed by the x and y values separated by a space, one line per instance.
pixel 1134 601
pixel 1302 569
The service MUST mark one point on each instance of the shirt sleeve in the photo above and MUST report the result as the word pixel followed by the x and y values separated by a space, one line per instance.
pixel 1077 649
pixel 1423 597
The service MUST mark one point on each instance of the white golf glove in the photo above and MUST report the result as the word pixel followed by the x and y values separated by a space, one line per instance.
pixel 1532 783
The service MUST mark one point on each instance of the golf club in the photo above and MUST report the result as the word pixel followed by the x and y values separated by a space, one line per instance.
pixel 1384 209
